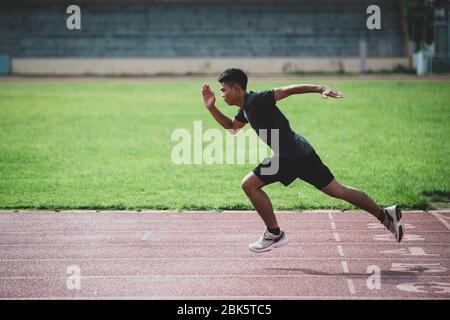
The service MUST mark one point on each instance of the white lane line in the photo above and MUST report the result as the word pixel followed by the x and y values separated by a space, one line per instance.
pixel 336 236
pixel 200 244
pixel 351 287
pixel 341 251
pixel 194 276
pixel 344 264
pixel 441 219
pixel 142 220
pixel 345 267
pixel 90 232
pixel 407 259
pixel 300 219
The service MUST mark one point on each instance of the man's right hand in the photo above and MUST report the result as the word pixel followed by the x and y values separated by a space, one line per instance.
pixel 209 99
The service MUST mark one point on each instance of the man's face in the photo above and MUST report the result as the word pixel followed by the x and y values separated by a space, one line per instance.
pixel 229 93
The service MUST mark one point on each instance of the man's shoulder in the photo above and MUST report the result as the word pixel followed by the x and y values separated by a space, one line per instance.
pixel 260 97
pixel 258 93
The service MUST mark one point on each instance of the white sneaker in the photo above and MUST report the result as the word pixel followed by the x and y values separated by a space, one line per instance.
pixel 394 224
pixel 268 240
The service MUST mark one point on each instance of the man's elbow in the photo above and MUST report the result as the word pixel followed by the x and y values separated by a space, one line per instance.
pixel 233 131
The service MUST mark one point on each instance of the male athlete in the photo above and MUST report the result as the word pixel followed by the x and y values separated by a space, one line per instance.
pixel 294 157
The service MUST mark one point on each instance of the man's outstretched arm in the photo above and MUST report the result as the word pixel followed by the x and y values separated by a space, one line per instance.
pixel 284 92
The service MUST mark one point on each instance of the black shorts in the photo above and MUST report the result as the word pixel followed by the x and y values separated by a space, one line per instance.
pixel 309 169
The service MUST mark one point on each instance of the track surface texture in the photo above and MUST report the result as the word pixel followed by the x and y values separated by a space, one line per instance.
pixel 204 255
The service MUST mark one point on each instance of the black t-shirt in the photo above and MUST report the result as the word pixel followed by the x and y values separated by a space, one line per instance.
pixel 261 112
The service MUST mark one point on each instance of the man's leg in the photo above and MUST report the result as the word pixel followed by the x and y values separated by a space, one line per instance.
pixel 355 197
pixel 275 237
pixel 252 185
pixel 390 217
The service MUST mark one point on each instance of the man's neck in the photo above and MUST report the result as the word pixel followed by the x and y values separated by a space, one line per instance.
pixel 241 101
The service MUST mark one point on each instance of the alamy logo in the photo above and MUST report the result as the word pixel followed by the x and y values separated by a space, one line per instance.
pixel 221 147
pixel 374 280
pixel 73 281
pixel 374 20
pixel 73 22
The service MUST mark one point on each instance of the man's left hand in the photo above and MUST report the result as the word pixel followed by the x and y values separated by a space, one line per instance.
pixel 328 92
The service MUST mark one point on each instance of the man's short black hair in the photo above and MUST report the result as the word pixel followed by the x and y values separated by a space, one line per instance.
pixel 234 76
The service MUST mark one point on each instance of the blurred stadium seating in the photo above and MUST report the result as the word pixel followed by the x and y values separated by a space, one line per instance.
pixel 148 37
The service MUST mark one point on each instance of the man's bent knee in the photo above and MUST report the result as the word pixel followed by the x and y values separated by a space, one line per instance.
pixel 251 182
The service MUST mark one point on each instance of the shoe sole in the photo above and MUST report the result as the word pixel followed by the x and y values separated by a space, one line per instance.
pixel 277 244
pixel 400 233
pixel 280 243
pixel 398 214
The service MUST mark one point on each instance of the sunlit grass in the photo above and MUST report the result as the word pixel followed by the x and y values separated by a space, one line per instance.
pixel 107 145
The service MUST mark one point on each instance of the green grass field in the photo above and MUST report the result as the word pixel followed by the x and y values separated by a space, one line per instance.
pixel 107 145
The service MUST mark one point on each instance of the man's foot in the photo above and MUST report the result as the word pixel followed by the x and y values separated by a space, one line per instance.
pixel 268 240
pixel 393 221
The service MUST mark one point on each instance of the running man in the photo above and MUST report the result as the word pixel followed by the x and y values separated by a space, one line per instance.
pixel 294 156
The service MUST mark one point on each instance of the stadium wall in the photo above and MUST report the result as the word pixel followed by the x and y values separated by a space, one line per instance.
pixel 186 66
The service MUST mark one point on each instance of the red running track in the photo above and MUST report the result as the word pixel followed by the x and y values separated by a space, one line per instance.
pixel 204 255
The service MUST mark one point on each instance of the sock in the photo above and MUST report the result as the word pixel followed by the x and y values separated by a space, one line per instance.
pixel 386 218
pixel 382 215
pixel 275 231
